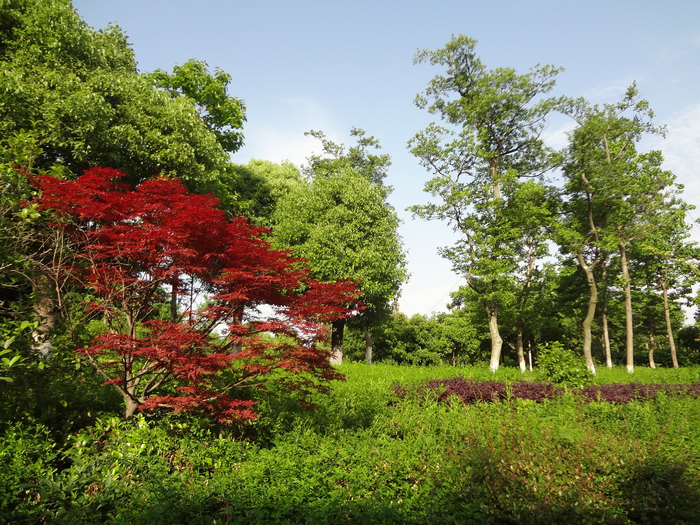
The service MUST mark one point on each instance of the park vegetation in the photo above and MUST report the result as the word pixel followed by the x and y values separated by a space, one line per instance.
pixel 177 332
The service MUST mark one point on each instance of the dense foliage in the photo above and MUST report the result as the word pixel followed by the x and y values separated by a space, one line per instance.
pixel 611 209
pixel 367 456
pixel 339 219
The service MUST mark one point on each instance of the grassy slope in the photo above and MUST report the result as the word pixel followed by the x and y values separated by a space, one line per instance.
pixel 364 456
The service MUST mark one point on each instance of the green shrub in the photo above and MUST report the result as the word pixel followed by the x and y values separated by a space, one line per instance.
pixel 28 458
pixel 561 366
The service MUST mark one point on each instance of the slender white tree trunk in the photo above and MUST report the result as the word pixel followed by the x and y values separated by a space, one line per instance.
pixel 337 329
pixel 496 340
pixel 669 327
pixel 629 326
pixel 520 347
pixel 368 346
pixel 651 344
pixel 590 313
pixel 604 320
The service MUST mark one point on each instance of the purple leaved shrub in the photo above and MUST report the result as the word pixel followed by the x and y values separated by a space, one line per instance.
pixel 470 391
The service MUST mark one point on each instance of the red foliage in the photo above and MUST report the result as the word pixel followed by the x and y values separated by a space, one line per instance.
pixel 143 247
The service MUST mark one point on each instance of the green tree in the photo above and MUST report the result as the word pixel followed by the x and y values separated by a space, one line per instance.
pixel 496 118
pixel 613 196
pixel 340 221
pixel 259 185
pixel 72 98
pixel 648 191
pixel 224 115
pixel 669 260
pixel 80 88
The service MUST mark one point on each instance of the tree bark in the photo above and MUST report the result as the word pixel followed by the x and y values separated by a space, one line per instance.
pixel 520 348
pixel 131 407
pixel 629 327
pixel 590 278
pixel 669 328
pixel 45 313
pixel 368 346
pixel 651 345
pixel 590 314
pixel 496 340
pixel 237 347
pixel 604 319
pixel 173 302
pixel 606 335
pixel 337 332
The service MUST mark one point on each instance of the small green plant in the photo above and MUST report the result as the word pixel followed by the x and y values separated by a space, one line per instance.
pixel 561 366
pixel 10 357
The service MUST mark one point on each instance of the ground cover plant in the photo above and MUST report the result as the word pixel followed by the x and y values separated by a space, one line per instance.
pixel 368 455
pixel 470 391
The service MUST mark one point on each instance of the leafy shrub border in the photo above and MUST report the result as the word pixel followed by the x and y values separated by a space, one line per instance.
pixel 470 391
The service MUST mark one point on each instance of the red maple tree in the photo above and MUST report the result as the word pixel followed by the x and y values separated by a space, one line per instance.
pixel 155 245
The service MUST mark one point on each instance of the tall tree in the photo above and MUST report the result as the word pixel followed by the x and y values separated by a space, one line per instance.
pixel 496 117
pixel 258 187
pixel 81 89
pixel 671 260
pixel 341 222
pixel 611 190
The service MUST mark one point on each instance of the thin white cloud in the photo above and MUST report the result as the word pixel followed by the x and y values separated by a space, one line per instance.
pixel 611 92
pixel 284 140
pixel 695 40
pixel 681 150
pixel 557 135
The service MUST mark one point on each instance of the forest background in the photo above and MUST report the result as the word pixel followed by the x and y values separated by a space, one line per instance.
pixel 652 46
pixel 331 66
pixel 417 339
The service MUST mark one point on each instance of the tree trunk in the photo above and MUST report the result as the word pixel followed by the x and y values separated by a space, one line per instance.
pixel 520 347
pixel 651 344
pixel 606 335
pixel 629 327
pixel 45 313
pixel 368 346
pixel 237 347
pixel 496 340
pixel 604 319
pixel 337 332
pixel 173 303
pixel 669 328
pixel 590 314
pixel 131 407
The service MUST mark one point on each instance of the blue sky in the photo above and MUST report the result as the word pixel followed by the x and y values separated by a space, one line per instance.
pixel 331 65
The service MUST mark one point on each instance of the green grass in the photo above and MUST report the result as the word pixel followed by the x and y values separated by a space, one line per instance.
pixel 366 456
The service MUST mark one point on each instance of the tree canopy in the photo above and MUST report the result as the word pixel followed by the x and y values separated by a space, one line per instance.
pixel 495 119
pixel 341 223
pixel 79 90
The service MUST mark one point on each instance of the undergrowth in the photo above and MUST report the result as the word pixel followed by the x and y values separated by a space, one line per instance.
pixel 366 455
